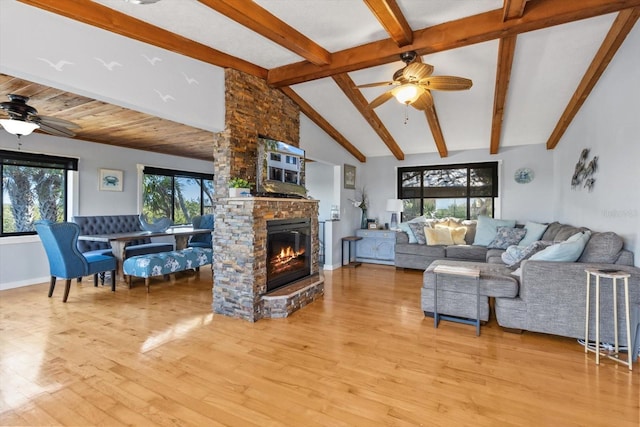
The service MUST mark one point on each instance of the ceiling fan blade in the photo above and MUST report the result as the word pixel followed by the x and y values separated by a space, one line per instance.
pixel 378 84
pixel 446 83
pixel 56 130
pixel 417 71
pixel 381 99
pixel 55 122
pixel 423 102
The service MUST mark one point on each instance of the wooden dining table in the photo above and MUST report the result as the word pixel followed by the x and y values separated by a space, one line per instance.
pixel 118 241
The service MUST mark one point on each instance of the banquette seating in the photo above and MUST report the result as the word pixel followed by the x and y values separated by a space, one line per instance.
pixel 110 224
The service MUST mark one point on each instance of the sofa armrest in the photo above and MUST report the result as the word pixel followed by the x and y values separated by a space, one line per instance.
pixel 402 237
pixel 555 296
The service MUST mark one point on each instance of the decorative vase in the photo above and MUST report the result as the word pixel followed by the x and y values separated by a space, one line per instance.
pixel 363 220
pixel 239 192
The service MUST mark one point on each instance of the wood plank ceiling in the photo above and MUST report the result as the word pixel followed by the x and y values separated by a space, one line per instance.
pixel 114 125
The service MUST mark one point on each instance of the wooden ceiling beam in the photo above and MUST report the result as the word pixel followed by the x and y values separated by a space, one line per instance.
pixel 108 19
pixel 436 130
pixel 323 124
pixel 259 20
pixel 392 20
pixel 619 30
pixel 450 35
pixel 360 102
pixel 513 9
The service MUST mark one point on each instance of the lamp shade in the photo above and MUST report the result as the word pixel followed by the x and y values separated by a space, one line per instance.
pixel 395 205
pixel 18 127
pixel 408 93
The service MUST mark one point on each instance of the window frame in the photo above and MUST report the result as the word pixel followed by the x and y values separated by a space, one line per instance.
pixel 35 160
pixel 493 166
pixel 173 174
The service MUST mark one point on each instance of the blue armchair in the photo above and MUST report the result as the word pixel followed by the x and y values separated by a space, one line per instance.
pixel 60 241
pixel 202 240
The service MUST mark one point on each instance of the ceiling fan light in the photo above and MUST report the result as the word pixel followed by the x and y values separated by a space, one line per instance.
pixel 407 94
pixel 18 127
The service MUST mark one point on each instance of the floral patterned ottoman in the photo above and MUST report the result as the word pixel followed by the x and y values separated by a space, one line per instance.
pixel 165 263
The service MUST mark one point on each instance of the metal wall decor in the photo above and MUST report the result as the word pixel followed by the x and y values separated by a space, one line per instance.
pixel 584 171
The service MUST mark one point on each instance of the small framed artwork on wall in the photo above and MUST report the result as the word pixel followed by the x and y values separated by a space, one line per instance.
pixel 349 177
pixel 110 180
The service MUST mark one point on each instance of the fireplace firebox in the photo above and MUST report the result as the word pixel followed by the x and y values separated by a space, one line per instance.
pixel 288 251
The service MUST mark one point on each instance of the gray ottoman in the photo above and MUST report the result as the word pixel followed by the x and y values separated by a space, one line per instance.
pixel 457 294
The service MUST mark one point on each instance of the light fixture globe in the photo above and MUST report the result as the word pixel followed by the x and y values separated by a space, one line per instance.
pixel 408 93
pixel 18 127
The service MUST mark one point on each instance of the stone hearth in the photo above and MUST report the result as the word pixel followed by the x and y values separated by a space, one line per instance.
pixel 240 258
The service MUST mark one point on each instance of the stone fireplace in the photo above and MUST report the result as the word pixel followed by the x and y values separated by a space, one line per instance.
pixel 240 238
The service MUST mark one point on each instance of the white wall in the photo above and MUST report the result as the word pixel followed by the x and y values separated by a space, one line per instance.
pixel 609 125
pixel 22 259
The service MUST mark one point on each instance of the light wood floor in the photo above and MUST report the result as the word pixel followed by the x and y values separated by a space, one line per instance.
pixel 363 355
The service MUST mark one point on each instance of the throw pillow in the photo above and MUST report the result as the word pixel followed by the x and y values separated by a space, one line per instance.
pixel 438 236
pixel 457 234
pixel 418 232
pixel 514 255
pixel 534 233
pixel 487 229
pixel 404 226
pixel 506 236
pixel 567 251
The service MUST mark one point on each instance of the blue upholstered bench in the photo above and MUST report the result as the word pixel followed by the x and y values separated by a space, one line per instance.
pixel 165 263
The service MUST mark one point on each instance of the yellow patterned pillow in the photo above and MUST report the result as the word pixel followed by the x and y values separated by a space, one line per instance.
pixel 457 234
pixel 438 236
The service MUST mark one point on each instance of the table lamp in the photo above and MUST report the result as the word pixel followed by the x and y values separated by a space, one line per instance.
pixel 394 206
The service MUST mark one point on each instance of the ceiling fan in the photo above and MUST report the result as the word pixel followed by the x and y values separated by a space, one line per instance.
pixel 414 82
pixel 24 119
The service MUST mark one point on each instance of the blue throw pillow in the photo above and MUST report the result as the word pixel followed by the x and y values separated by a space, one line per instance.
pixel 487 229
pixel 404 226
pixel 534 233
pixel 567 251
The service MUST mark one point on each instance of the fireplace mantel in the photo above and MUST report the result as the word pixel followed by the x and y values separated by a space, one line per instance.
pixel 239 250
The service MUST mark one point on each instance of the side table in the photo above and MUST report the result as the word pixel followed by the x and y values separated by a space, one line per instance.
pixel 614 275
pixel 349 240
pixel 472 272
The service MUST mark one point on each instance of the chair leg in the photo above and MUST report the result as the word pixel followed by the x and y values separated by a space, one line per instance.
pixel 102 275
pixel 67 286
pixel 52 285
pixel 147 283
pixel 79 279
pixel 113 280
pixel 95 280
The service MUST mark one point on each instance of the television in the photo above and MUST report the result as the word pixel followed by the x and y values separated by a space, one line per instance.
pixel 280 169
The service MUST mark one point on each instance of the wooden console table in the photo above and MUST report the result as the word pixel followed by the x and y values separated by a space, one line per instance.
pixel 349 240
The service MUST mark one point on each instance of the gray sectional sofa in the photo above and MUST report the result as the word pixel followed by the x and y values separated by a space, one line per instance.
pixel 546 296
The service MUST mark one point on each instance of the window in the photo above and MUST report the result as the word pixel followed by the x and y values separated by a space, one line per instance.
pixel 461 191
pixel 34 186
pixel 178 195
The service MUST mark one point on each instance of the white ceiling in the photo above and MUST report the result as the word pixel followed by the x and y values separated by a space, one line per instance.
pixel 548 66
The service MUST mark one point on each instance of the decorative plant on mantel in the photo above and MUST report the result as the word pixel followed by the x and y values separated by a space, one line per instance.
pixel 239 187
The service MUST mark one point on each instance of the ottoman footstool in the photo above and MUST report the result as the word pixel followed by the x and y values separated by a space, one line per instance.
pixel 457 294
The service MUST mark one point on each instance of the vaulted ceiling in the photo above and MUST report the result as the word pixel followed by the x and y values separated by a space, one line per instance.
pixel 533 63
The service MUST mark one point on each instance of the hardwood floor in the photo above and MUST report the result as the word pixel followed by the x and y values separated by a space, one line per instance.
pixel 362 355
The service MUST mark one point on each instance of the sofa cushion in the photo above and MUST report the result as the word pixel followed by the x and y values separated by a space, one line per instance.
pixel 466 252
pixel 565 232
pixel 487 228
pixel 551 231
pixel 507 236
pixel 567 251
pixel 534 232
pixel 421 250
pixel 438 236
pixel 602 248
